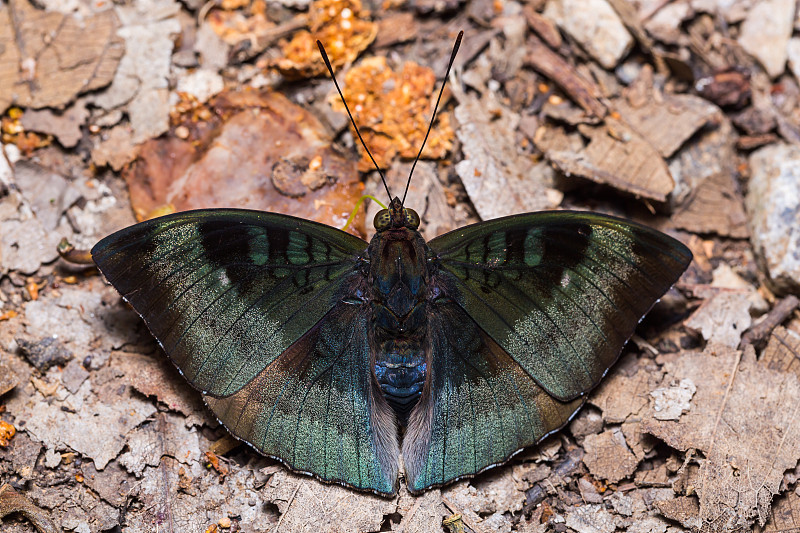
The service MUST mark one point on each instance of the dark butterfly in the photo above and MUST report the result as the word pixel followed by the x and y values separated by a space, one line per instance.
pixel 318 348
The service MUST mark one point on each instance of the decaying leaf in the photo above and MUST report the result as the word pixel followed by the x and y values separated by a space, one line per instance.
pixel 723 316
pixel 745 420
pixel 499 179
pixel 280 154
pixel 344 29
pixel 616 155
pixel 714 206
pixel 392 110
pixel 668 122
pixel 302 501
pixel 783 351
pixel 785 516
pixel 608 456
pixel 47 58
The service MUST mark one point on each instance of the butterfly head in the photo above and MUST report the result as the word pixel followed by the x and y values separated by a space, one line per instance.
pixel 396 217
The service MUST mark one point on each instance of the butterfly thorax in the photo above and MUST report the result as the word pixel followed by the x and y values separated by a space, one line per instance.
pixel 399 279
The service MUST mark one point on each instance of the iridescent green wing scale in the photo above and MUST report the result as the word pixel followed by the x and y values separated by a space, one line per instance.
pixel 238 300
pixel 318 408
pixel 478 407
pixel 552 297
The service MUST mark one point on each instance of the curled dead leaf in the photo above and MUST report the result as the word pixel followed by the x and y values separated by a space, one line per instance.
pixel 13 502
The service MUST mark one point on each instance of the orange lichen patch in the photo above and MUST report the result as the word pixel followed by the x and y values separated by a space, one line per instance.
pixel 214 462
pixel 7 432
pixel 344 30
pixel 8 315
pixel 239 19
pixel 12 132
pixel 33 288
pixel 392 111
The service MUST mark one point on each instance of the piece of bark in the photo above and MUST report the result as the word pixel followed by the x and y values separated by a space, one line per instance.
pixel 66 126
pixel 543 26
pixel 616 156
pixel 759 332
pixel 8 379
pixel 583 92
pixel 48 59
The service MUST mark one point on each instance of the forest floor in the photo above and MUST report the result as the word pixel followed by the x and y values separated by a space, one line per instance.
pixel 683 115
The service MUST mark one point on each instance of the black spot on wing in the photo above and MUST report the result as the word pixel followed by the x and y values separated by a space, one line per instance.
pixel 563 248
pixel 226 246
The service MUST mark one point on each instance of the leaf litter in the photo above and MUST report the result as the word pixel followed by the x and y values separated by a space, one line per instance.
pixel 166 117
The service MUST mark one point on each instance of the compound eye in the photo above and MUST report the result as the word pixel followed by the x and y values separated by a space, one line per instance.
pixel 412 218
pixel 382 220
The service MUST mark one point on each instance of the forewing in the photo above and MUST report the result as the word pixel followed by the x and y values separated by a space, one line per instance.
pixel 318 408
pixel 478 406
pixel 560 291
pixel 227 291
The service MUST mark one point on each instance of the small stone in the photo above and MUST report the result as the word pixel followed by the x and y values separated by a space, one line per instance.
pixel 793 54
pixel 595 25
pixel 775 213
pixel 44 353
pixel 224 522
pixel 765 33
pixel 52 458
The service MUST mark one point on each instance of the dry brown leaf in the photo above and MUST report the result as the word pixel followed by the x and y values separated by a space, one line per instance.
pixel 306 505
pixel 47 58
pixel 616 156
pixel 392 110
pixel 785 517
pixel 723 316
pixel 667 124
pixel 745 421
pixel 608 456
pixel 714 206
pixel 281 153
pixel 499 179
pixel 620 396
pixel 782 353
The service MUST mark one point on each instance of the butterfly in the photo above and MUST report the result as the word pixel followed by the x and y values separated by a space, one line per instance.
pixel 337 356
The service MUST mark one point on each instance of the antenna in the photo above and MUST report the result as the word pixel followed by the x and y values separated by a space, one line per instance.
pixel 430 125
pixel 352 121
